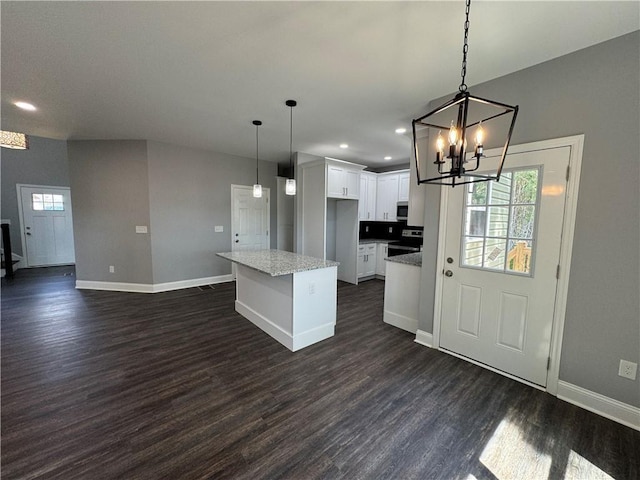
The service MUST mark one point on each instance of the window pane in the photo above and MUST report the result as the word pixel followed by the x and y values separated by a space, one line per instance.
pixel 48 197
pixel 522 221
pixel 494 253
pixel 48 206
pixel 58 206
pixel 519 256
pixel 477 193
pixel 36 197
pixel 475 221
pixel 525 186
pixel 38 205
pixel 498 221
pixel 58 199
pixel 472 251
pixel 501 191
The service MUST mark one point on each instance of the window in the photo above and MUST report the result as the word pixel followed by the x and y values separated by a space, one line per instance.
pixel 47 201
pixel 500 221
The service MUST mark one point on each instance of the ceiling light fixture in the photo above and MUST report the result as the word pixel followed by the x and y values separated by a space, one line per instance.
pixel 387 157
pixel 257 188
pixel 14 140
pixel 458 115
pixel 25 106
pixel 290 184
pixel 401 130
pixel 344 145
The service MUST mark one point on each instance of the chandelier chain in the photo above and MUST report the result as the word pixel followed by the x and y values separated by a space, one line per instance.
pixel 465 48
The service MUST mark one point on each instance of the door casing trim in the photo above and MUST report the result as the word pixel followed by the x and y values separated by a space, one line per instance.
pixel 576 146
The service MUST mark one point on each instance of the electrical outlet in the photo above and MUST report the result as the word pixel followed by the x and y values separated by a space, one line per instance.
pixel 218 228
pixel 112 269
pixel 628 369
pixel 390 229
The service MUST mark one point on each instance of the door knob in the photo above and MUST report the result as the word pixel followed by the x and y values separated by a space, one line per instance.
pixel 236 234
pixel 237 241
pixel 449 260
pixel 28 233
pixel 448 273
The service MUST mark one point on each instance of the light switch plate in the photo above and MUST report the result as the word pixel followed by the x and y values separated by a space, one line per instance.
pixel 141 229
pixel 218 228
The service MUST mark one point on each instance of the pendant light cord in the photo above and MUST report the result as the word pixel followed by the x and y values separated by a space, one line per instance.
pixel 465 49
pixel 257 165
pixel 291 142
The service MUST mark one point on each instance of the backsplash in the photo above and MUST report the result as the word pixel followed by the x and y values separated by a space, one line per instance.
pixel 381 230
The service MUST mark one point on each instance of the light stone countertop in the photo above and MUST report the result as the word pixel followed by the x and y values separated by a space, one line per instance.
pixel 414 259
pixel 373 240
pixel 276 262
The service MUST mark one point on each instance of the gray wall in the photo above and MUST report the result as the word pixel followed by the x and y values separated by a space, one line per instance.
pixel 110 192
pixel 596 92
pixel 44 163
pixel 190 193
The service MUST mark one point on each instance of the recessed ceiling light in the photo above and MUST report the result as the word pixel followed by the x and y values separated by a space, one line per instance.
pixel 401 130
pixel 25 106
pixel 387 157
pixel 344 145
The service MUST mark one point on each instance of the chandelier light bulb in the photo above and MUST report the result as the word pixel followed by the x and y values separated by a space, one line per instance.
pixel 290 186
pixel 257 190
pixel 479 135
pixel 453 134
pixel 440 142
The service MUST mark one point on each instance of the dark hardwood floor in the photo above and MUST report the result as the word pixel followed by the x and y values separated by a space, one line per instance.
pixel 105 385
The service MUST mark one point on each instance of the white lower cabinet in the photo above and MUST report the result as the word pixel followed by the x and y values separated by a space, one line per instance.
pixel 383 252
pixel 366 260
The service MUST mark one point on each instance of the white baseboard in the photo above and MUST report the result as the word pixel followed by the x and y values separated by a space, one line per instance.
pixel 292 342
pixel 400 321
pixel 594 402
pixel 424 338
pixel 151 288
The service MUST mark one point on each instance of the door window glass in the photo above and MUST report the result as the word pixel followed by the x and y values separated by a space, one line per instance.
pixel 47 201
pixel 500 222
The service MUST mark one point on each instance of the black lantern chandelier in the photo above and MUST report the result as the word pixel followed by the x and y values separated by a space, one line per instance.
pixel 463 114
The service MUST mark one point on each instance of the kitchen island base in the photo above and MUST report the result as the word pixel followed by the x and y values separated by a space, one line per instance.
pixel 297 310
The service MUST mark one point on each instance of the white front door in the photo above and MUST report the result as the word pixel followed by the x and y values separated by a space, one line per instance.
pixel 47 225
pixel 250 219
pixel 502 252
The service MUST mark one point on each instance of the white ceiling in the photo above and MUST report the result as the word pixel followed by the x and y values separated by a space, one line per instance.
pixel 198 73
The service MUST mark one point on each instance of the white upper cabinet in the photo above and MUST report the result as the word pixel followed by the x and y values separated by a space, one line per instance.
pixel 387 197
pixel 367 204
pixel 342 182
pixel 403 187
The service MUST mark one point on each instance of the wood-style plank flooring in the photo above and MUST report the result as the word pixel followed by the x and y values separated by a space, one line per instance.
pixel 176 385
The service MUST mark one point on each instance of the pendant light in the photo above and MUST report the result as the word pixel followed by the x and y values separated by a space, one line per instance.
pixel 14 140
pixel 257 188
pixel 290 185
pixel 489 120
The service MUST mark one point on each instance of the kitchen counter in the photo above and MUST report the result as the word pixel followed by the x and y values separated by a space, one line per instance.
pixel 364 241
pixel 276 262
pixel 414 259
pixel 291 297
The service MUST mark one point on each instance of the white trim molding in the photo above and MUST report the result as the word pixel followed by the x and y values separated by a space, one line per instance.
pixel 151 288
pixel 424 338
pixel 615 410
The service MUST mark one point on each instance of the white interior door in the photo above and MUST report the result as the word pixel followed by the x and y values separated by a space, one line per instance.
pixel 250 219
pixel 502 250
pixel 47 225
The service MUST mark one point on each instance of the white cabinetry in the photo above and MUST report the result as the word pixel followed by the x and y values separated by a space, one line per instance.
pixel 327 225
pixel 342 182
pixel 381 254
pixel 387 197
pixel 403 187
pixel 367 260
pixel 368 188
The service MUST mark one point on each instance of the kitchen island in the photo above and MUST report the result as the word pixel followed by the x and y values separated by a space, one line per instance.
pixel 402 291
pixel 291 297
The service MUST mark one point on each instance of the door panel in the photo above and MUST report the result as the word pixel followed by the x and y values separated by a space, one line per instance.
pixel 504 240
pixel 47 225
pixel 250 219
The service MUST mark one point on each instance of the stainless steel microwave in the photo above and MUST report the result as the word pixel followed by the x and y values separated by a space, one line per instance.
pixel 402 211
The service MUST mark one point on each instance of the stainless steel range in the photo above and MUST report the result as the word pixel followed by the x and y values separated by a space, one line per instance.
pixel 410 242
